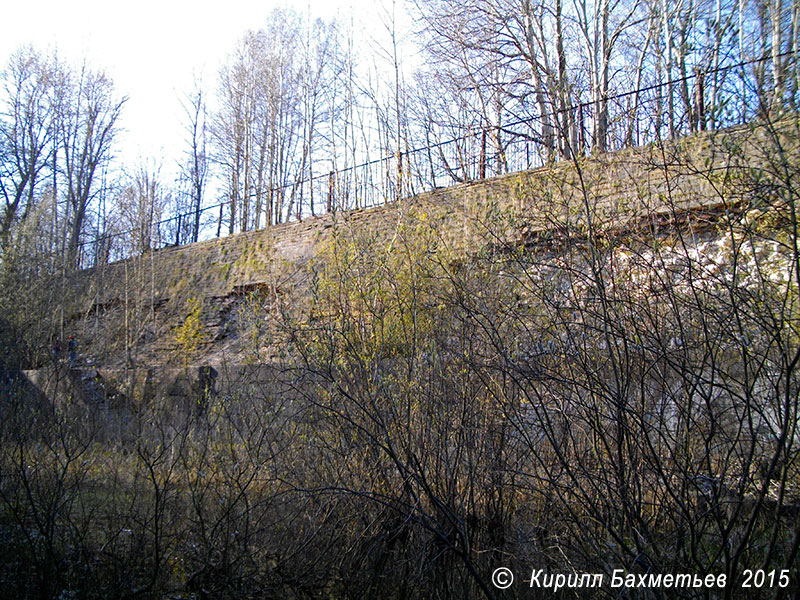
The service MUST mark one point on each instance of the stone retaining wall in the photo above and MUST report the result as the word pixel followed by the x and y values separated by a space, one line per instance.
pixel 609 192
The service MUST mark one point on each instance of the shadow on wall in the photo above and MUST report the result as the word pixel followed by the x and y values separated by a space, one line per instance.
pixel 115 389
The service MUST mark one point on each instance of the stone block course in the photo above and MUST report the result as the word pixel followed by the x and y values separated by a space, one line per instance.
pixel 612 192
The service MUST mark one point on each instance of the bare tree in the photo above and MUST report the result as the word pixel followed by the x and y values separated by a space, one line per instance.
pixel 140 207
pixel 195 166
pixel 26 135
pixel 258 127
pixel 322 68
pixel 601 26
pixel 87 117
pixel 513 52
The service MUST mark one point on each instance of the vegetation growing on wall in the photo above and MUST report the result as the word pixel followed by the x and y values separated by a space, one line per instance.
pixel 189 335
pixel 580 370
pixel 583 402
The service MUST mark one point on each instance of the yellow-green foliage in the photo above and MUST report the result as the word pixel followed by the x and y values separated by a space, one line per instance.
pixel 190 334
pixel 253 321
pixel 254 260
pixel 376 294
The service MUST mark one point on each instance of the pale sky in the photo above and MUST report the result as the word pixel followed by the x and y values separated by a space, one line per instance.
pixel 150 49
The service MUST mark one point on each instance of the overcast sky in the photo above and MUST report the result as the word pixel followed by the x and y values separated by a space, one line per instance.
pixel 150 48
